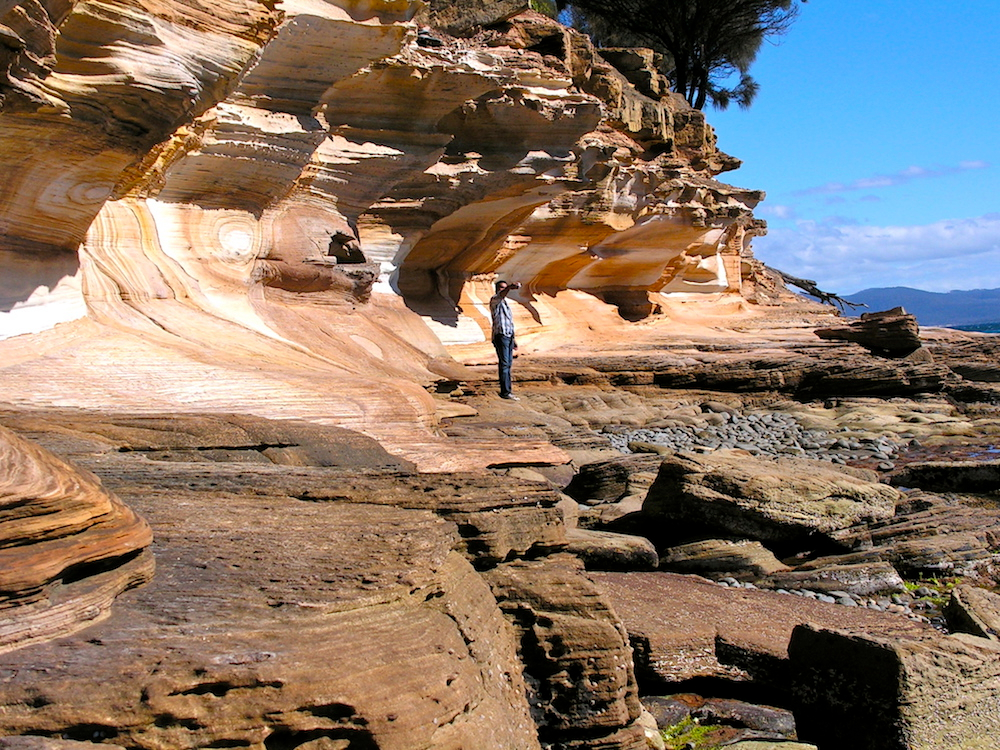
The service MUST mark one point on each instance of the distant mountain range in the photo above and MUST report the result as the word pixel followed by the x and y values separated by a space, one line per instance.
pixel 975 307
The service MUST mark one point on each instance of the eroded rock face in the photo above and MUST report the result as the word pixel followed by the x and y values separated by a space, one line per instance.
pixel 320 195
pixel 776 502
pixel 576 654
pixel 902 692
pixel 299 603
pixel 68 547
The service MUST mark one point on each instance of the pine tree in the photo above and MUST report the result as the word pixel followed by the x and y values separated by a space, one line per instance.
pixel 704 42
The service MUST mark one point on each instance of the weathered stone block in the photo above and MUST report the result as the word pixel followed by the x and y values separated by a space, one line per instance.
pixel 780 502
pixel 870 693
pixel 744 560
pixel 893 332
pixel 606 550
pixel 576 655
pixel 975 611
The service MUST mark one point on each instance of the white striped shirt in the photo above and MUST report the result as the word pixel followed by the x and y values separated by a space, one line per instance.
pixel 503 320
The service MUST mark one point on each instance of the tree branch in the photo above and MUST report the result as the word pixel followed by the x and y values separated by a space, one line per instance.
pixel 810 288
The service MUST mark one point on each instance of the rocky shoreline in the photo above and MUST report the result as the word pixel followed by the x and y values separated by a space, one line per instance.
pixel 695 568
pixel 758 433
pixel 259 492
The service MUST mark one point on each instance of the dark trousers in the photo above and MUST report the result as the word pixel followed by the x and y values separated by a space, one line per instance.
pixel 505 357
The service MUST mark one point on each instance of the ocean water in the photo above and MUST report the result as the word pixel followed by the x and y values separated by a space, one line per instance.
pixel 981 327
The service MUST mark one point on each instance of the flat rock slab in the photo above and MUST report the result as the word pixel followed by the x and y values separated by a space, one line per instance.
pixel 225 438
pixel 675 621
pixel 783 501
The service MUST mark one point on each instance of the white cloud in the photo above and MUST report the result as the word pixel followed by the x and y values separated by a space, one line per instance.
pixel 901 177
pixel 844 257
pixel 777 211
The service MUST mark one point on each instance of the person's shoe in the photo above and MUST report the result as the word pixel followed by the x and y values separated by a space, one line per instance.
pixel 509 396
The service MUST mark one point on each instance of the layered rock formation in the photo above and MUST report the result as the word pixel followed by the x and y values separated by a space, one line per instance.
pixel 343 604
pixel 287 211
pixel 255 194
pixel 245 256
pixel 906 693
pixel 67 546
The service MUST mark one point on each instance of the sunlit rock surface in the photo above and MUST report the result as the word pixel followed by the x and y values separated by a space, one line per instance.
pixel 246 253
pixel 299 209
pixel 67 546
pixel 315 603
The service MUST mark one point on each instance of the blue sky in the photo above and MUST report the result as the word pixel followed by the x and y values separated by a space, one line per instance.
pixel 875 136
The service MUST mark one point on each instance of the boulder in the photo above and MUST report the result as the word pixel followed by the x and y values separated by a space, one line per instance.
pixel 779 723
pixel 743 560
pixel 775 723
pixel 892 332
pixel 975 611
pixel 862 579
pixel 606 550
pixel 857 690
pixel 717 722
pixel 616 516
pixel 782 502
pixel 668 710
pixel 608 481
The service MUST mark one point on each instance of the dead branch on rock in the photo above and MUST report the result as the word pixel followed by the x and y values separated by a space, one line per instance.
pixel 810 288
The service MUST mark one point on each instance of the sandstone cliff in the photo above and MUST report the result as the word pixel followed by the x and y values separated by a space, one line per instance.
pixel 294 208
pixel 230 231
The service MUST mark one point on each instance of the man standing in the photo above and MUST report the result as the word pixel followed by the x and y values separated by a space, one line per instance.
pixel 503 335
